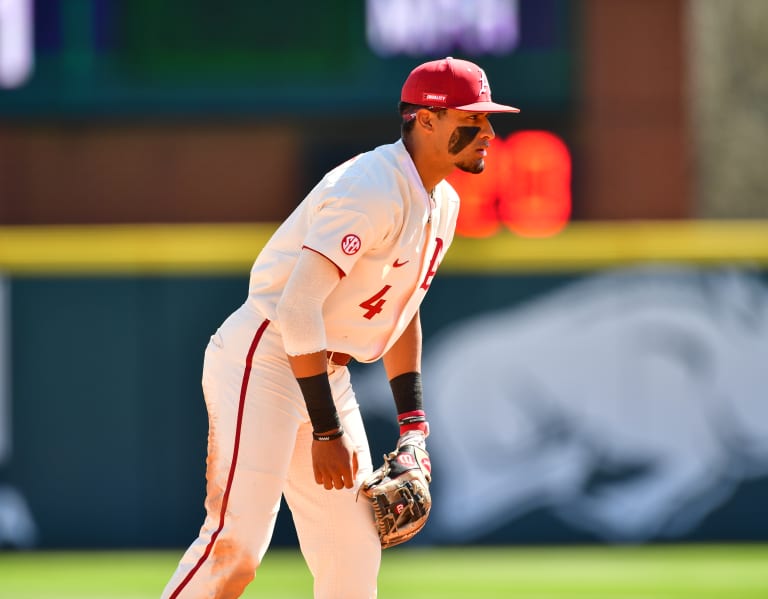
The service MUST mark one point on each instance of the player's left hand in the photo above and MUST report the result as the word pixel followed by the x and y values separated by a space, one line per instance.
pixel 399 492
pixel 334 463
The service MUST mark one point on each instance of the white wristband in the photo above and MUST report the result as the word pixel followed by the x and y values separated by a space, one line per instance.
pixel 414 437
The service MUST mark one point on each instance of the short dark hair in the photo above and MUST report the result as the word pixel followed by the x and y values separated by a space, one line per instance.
pixel 408 112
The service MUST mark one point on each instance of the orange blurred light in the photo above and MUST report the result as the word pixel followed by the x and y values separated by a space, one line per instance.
pixel 535 191
pixel 526 185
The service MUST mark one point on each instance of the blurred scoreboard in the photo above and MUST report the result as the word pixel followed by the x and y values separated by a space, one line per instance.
pixel 61 58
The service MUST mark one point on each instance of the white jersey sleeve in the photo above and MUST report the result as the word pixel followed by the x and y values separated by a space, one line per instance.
pixel 355 215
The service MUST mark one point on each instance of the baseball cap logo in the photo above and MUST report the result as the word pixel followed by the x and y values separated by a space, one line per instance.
pixel 429 97
pixel 485 88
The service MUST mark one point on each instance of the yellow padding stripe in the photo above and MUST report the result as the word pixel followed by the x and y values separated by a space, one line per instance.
pixel 231 248
pixel 128 249
pixel 603 245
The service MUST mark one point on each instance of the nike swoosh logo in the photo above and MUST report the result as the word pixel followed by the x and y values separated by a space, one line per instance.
pixel 398 264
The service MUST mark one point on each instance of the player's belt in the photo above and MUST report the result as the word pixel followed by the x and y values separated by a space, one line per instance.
pixel 338 358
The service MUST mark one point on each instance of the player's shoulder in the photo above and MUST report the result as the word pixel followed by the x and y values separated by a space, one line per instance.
pixel 377 174
pixel 383 163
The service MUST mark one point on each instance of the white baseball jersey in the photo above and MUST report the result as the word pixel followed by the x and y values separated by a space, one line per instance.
pixel 372 218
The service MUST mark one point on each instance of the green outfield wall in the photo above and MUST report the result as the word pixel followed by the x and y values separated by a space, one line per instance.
pixel 106 327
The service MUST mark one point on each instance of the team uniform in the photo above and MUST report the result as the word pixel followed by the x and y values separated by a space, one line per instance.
pixel 373 219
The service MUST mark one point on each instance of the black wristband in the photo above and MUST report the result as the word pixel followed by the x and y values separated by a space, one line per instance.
pixel 329 437
pixel 319 399
pixel 407 391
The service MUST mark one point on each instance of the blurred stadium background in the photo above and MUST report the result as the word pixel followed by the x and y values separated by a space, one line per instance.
pixel 605 304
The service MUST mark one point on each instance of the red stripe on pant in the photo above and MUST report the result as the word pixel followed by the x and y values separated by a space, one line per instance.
pixel 230 478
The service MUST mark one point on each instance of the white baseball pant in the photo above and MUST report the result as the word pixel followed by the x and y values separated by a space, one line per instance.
pixel 259 448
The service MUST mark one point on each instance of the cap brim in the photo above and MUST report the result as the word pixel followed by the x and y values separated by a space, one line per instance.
pixel 487 107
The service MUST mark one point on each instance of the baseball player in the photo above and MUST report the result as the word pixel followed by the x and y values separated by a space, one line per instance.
pixel 341 278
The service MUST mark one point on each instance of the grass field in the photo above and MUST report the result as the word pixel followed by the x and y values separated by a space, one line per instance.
pixel 645 572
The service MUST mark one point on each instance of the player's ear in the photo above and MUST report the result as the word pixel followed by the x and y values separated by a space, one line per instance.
pixel 425 118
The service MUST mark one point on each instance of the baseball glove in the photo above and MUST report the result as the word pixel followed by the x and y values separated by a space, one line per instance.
pixel 399 493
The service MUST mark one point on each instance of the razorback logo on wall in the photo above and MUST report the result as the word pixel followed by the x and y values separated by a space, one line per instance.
pixel 636 392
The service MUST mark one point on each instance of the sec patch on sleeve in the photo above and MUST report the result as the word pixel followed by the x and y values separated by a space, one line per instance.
pixel 350 244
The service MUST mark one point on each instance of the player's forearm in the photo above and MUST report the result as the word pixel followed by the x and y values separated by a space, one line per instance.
pixel 405 355
pixel 316 390
pixel 310 372
pixel 403 366
pixel 309 364
pixel 300 314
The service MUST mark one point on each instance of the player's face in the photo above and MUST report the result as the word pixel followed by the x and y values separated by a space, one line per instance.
pixel 469 136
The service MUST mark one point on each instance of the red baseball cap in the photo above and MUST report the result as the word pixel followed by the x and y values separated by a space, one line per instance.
pixel 451 83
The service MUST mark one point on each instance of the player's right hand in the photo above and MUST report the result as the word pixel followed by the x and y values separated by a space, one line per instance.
pixel 334 463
